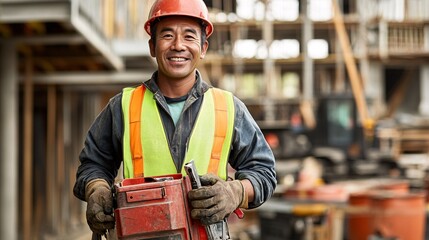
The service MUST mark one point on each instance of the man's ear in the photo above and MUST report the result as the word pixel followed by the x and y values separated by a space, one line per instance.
pixel 151 47
pixel 204 49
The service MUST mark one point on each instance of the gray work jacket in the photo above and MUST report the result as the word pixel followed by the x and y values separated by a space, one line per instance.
pixel 250 154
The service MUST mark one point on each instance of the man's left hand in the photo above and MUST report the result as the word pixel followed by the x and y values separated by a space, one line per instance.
pixel 216 199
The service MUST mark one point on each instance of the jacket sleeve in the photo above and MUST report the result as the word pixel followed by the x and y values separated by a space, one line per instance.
pixel 251 155
pixel 101 155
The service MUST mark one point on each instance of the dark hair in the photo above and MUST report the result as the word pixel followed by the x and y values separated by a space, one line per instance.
pixel 154 25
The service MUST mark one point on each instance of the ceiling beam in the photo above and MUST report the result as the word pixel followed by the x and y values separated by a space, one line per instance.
pixel 70 39
pixel 98 42
pixel 25 11
pixel 85 78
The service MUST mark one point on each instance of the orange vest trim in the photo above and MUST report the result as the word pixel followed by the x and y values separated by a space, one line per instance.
pixel 135 121
pixel 221 115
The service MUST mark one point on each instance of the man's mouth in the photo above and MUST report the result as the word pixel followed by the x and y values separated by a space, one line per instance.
pixel 177 59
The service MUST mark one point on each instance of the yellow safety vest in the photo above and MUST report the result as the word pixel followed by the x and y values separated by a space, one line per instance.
pixel 145 145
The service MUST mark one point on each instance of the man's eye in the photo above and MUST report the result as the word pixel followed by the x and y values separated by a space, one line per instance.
pixel 167 36
pixel 190 37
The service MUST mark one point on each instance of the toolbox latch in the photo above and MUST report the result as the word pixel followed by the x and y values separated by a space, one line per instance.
pixel 145 195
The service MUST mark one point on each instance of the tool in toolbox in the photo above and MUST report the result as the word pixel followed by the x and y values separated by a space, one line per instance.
pixel 158 208
pixel 216 230
pixel 191 171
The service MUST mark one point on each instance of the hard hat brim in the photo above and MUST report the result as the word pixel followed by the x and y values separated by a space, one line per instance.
pixel 209 25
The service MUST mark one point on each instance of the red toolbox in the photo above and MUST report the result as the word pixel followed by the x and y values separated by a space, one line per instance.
pixel 155 208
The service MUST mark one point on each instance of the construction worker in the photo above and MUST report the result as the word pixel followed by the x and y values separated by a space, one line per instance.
pixel 175 117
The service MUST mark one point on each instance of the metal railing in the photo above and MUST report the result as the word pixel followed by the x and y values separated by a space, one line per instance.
pixel 130 17
pixel 397 10
pixel 406 39
pixel 116 19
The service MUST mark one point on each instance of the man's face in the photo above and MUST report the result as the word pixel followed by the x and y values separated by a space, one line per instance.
pixel 178 47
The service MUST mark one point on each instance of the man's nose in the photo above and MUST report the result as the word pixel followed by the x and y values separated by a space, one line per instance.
pixel 178 44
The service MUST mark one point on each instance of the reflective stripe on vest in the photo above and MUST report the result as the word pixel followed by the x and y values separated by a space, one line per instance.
pixel 209 143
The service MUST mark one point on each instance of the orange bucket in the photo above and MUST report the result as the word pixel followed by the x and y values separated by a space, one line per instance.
pixel 394 186
pixel 359 218
pixel 399 215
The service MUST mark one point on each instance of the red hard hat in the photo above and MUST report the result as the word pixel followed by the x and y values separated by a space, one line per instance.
pixel 191 8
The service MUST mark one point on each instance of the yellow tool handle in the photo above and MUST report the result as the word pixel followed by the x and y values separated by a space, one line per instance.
pixel 309 209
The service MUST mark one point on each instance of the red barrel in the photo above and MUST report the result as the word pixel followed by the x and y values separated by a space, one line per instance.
pixel 359 218
pixel 399 215
pixel 397 186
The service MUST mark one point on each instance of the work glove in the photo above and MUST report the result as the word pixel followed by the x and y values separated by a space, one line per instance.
pixel 216 199
pixel 99 212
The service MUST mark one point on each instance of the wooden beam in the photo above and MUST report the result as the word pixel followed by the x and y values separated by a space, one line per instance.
pixel 399 92
pixel 75 60
pixel 71 152
pixel 64 206
pixel 306 109
pixel 5 30
pixel 20 11
pixel 109 17
pixel 69 39
pixel 85 78
pixel 355 78
pixel 51 193
pixel 339 81
pixel 27 199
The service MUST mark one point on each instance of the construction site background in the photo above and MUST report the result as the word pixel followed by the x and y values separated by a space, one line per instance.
pixel 345 82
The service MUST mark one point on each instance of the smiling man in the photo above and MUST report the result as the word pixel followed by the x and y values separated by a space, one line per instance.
pixel 178 45
pixel 175 117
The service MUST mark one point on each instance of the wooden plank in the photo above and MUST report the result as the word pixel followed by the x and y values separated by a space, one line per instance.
pixel 63 189
pixel 340 76
pixel 415 134
pixel 108 17
pixel 399 93
pixel 71 153
pixel 306 109
pixel 27 194
pixel 355 78
pixel 51 193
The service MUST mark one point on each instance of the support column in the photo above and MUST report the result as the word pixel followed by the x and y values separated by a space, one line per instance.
pixel 374 88
pixel 426 37
pixel 269 76
pixel 424 90
pixel 362 35
pixel 340 73
pixel 307 102
pixel 424 78
pixel 8 142
pixel 308 65
pixel 267 36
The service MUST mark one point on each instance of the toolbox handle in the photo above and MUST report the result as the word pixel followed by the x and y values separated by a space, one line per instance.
pixel 146 195
pixel 141 180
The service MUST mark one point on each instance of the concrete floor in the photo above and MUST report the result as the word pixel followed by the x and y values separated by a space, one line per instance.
pixel 81 233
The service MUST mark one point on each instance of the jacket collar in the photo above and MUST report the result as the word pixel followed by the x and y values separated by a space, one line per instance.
pixel 199 88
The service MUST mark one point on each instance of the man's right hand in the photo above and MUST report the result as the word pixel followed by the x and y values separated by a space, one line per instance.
pixel 99 212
